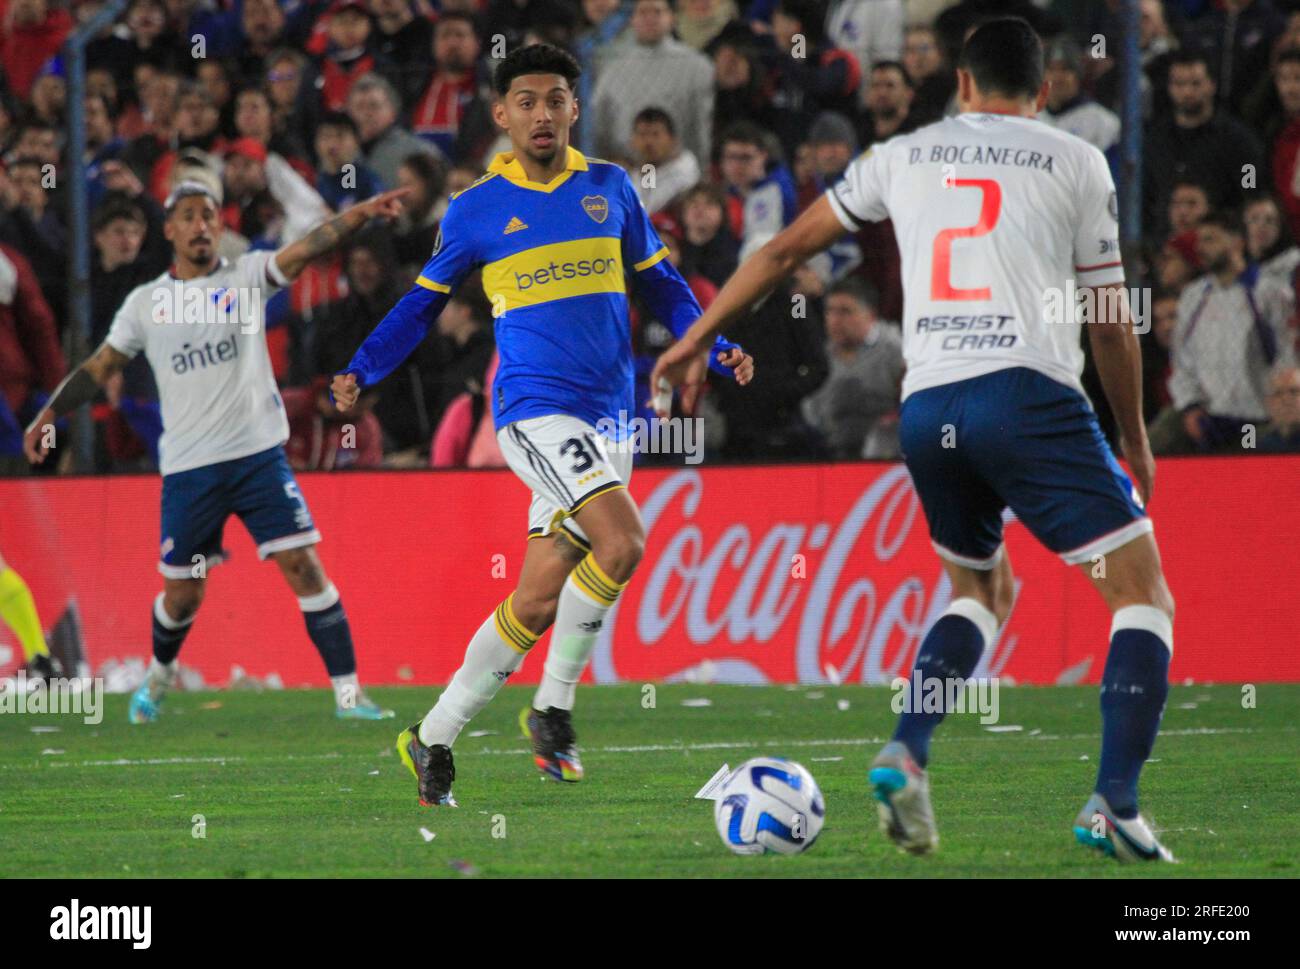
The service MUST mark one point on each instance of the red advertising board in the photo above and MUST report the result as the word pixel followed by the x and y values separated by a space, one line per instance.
pixel 759 574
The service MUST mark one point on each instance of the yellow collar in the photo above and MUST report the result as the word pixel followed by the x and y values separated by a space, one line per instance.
pixel 510 168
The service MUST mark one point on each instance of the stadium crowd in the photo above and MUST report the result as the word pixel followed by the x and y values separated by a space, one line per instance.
pixel 730 119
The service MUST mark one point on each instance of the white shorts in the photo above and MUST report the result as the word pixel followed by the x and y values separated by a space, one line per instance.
pixel 565 462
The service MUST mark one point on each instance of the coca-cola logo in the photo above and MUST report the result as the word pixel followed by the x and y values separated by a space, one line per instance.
pixel 758 598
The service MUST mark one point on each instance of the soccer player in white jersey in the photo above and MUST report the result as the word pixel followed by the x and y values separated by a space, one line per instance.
pixel 199 324
pixel 996 215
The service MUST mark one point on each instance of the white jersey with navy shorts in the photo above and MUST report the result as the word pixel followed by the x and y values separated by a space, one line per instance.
pixel 999 220
pixel 224 424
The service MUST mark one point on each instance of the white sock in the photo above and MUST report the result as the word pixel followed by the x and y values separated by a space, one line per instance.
pixel 160 676
pixel 585 600
pixel 494 652
pixel 347 690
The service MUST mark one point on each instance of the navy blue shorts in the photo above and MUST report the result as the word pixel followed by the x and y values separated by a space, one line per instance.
pixel 260 489
pixel 1019 439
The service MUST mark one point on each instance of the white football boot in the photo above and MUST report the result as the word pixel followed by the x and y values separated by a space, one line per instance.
pixel 1124 840
pixel 902 795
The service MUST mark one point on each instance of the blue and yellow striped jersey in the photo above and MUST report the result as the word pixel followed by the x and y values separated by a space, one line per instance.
pixel 556 261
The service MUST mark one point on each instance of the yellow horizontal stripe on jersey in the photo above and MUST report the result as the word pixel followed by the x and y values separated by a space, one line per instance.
pixel 579 267
pixel 647 263
pixel 430 284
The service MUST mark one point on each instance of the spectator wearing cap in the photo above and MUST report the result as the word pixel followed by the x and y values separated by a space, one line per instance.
pixel 453 110
pixel 661 168
pixel 1282 433
pixel 31 363
pixel 808 75
pixel 709 247
pixel 1069 107
pixel 1232 329
pixel 253 177
pixel 889 103
pixel 1284 147
pixel 31 32
pixel 403 41
pixel 373 104
pixel 654 70
pixel 341 177
pixel 48 99
pixel 933 79
pixel 871 30
pixel 865 378
pixel 1196 141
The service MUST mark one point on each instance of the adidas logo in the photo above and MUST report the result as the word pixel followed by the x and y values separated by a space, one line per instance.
pixel 514 225
pixel 502 675
pixel 591 627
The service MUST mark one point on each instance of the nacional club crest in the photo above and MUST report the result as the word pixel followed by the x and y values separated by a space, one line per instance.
pixel 596 206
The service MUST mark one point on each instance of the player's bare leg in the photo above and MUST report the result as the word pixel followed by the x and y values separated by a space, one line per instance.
pixel 327 625
pixel 981 602
pixel 613 528
pixel 1134 686
pixel 173 616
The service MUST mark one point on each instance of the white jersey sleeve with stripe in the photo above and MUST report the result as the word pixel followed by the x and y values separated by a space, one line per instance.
pixel 205 340
pixel 998 220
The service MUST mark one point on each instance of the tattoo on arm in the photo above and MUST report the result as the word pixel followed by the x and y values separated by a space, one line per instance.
pixel 327 236
pixel 82 385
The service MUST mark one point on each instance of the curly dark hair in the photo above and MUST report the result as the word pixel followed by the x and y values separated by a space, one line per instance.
pixel 535 59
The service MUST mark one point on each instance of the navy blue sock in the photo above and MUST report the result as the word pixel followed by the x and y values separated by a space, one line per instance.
pixel 951 649
pixel 1134 686
pixel 329 630
pixel 167 641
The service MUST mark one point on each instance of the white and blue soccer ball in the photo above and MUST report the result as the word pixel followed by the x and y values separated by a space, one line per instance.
pixel 769 804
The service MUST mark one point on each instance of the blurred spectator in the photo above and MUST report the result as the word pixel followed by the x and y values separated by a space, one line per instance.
pixel 31 32
pixel 889 103
pixel 699 21
pixel 39 140
pixel 255 119
pixel 198 125
pixel 656 70
pixel 1069 107
pixel 599 39
pixel 31 364
pixel 1284 147
pixel 1232 328
pixel 662 169
pixel 416 229
pixel 294 103
pixel 1189 203
pixel 102 144
pixel 374 106
pixel 1235 39
pixel 933 78
pixel 740 83
pixel 49 95
pixel 1156 348
pixel 709 248
pixel 807 74
pixel 761 195
pixel 403 41
pixel 1156 44
pixel 341 178
pixel 29 223
pixel 461 354
pixel 159 100
pixel 1281 435
pixel 214 75
pixel 466 435
pixel 1195 141
pixel 266 200
pixel 870 30
pixel 1268 241
pixel 263 26
pixel 341 44
pixel 453 110
pixel 865 377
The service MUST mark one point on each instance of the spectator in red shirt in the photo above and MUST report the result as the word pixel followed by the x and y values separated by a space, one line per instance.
pixel 30 35
pixel 452 111
pixel 1284 152
pixel 31 363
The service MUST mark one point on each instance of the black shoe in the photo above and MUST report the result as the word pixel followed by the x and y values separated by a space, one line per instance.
pixel 433 768
pixel 555 750
pixel 42 668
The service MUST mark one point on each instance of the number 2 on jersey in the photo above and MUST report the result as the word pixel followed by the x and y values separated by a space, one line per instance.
pixel 941 286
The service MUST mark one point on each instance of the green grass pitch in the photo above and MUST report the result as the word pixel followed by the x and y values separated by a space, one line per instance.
pixel 285 790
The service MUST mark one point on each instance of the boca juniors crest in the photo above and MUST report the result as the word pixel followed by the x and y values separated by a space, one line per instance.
pixel 596 206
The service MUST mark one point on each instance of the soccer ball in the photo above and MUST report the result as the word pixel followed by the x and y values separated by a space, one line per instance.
pixel 769 804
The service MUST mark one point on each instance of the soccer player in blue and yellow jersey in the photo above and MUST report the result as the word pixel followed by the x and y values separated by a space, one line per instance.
pixel 557 237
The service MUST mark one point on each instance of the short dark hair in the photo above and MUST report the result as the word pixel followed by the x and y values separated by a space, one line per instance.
pixel 114 207
pixel 1188 181
pixel 427 169
pixel 811 15
pixel 858 290
pixel 893 66
pixel 339 119
pixel 744 133
pixel 655 116
pixel 1288 55
pixel 449 16
pixel 1229 220
pixel 1005 57
pixel 1187 56
pixel 535 59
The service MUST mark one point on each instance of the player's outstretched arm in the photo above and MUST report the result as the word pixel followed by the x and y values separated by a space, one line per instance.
pixel 327 236
pixel 1118 356
pixel 79 387
pixel 683 364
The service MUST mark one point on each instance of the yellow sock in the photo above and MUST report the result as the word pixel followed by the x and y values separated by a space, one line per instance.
pixel 19 612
